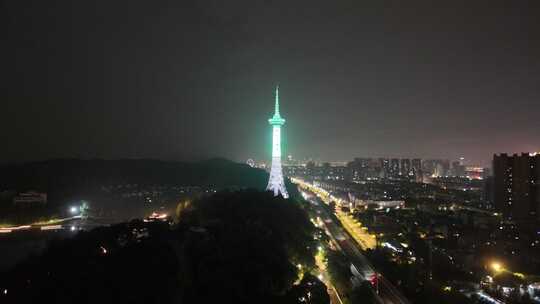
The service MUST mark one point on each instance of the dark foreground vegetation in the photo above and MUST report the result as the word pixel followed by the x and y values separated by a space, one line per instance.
pixel 232 247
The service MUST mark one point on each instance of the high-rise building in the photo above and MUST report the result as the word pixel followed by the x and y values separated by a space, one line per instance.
pixel 458 169
pixel 394 168
pixel 516 185
pixel 405 168
pixel 435 167
pixel 429 166
pixel 385 167
pixel 416 166
pixel 276 183
pixel 358 168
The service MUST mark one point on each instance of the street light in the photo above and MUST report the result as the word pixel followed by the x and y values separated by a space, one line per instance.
pixel 497 267
pixel 73 210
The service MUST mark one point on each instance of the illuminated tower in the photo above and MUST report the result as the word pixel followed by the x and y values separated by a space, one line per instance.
pixel 276 183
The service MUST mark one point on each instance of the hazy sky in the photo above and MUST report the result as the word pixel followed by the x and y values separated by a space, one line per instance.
pixel 194 79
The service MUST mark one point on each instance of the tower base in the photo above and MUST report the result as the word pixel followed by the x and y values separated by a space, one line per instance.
pixel 276 182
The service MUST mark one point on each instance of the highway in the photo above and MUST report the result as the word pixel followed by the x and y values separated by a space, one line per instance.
pixel 72 223
pixel 388 294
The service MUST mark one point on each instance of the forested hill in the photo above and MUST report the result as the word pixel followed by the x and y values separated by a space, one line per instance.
pixel 61 173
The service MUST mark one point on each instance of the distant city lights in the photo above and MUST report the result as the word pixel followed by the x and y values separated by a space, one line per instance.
pixel 156 216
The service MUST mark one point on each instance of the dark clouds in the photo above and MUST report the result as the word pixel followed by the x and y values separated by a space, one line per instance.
pixel 192 79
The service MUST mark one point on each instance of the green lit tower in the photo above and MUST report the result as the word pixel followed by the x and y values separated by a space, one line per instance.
pixel 276 183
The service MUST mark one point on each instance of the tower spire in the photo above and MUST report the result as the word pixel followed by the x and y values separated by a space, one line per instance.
pixel 277 101
pixel 276 119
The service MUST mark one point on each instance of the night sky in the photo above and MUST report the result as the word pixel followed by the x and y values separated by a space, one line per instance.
pixel 184 80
